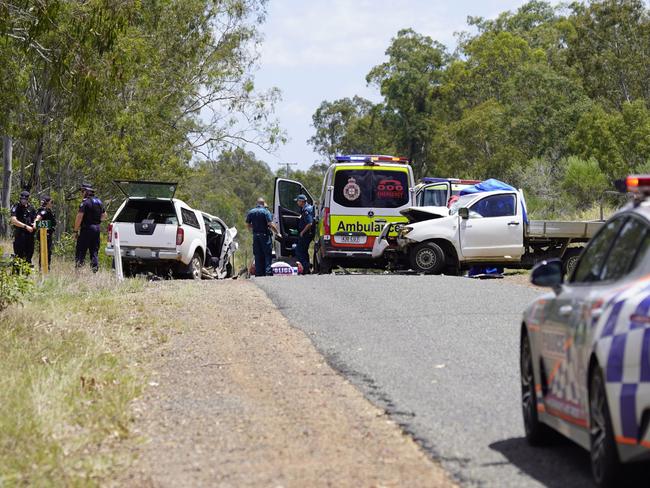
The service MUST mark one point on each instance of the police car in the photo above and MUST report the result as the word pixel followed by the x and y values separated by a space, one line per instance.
pixel 585 348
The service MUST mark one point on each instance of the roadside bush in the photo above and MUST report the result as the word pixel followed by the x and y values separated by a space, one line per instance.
pixel 15 281
pixel 584 182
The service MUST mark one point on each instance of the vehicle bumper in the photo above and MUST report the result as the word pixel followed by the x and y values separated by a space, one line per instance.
pixel 145 254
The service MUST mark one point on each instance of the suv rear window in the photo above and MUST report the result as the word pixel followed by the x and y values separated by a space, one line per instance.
pixel 153 211
pixel 371 188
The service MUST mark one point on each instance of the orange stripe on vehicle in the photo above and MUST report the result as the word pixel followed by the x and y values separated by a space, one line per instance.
pixel 626 440
pixel 568 343
pixel 568 418
pixel 556 368
pixel 541 408
pixel 533 328
pixel 645 444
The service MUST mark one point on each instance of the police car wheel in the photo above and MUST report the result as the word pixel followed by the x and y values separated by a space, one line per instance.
pixel 537 433
pixel 605 465
pixel 428 258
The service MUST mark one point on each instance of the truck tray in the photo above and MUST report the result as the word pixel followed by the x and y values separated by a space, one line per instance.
pixel 562 229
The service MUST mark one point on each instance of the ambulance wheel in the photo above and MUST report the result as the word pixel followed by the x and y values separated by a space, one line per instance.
pixel 427 258
pixel 605 465
pixel 322 265
pixel 316 265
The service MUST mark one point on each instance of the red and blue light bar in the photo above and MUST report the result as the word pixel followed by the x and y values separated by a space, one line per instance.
pixel 639 184
pixel 370 159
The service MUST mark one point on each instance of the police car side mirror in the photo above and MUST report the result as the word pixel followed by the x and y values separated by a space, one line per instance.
pixel 463 212
pixel 548 274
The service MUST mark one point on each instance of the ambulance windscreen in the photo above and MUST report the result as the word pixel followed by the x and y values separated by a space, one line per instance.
pixel 381 188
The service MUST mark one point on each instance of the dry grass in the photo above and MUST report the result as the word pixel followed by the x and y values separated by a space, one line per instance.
pixel 71 363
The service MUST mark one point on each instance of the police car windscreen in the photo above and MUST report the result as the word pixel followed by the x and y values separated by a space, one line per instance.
pixel 435 196
pixel 155 212
pixel 371 188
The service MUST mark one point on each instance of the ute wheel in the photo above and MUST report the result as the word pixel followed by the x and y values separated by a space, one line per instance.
pixel 193 270
pixel 228 270
pixel 570 260
pixel 428 258
pixel 537 433
pixel 605 465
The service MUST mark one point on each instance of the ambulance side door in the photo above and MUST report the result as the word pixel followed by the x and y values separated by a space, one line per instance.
pixel 286 214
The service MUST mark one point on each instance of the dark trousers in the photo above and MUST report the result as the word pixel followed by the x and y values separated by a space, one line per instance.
pixel 24 245
pixel 88 241
pixel 262 250
pixel 302 253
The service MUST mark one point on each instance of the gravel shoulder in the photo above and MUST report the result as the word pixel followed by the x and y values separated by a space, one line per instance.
pixel 241 398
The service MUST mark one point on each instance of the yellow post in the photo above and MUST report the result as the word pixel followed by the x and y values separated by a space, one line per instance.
pixel 43 238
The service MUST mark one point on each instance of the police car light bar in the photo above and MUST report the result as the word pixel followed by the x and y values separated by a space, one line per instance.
pixel 639 184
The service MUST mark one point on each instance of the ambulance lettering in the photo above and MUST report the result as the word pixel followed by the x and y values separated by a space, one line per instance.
pixel 359 227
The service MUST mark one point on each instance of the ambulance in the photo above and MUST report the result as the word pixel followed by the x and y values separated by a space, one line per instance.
pixel 360 194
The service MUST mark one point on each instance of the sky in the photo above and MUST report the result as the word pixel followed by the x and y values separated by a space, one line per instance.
pixel 319 50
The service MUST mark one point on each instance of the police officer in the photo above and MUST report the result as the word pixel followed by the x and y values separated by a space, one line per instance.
pixel 306 232
pixel 22 218
pixel 86 227
pixel 46 213
pixel 260 221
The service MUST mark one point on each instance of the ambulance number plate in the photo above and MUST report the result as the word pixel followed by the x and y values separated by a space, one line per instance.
pixel 350 239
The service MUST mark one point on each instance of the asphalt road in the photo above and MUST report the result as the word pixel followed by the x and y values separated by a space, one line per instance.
pixel 441 355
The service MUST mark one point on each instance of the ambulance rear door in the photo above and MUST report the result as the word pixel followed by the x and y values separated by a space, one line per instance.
pixel 286 214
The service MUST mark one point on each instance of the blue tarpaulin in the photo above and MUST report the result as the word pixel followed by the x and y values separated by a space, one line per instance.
pixel 491 185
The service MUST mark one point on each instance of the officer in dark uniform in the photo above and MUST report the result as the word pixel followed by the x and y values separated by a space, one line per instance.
pixel 46 213
pixel 306 232
pixel 22 218
pixel 86 227
pixel 260 222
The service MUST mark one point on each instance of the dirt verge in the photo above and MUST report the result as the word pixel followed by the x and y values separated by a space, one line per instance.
pixel 240 398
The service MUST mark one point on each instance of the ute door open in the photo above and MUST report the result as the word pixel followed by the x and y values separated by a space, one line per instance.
pixel 286 214
pixel 434 194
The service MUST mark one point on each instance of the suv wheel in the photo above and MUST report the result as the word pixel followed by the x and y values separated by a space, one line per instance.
pixel 195 266
pixel 427 258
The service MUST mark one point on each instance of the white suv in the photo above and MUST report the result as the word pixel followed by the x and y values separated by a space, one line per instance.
pixel 158 232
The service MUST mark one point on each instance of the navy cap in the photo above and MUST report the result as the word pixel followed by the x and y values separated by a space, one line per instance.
pixel 86 187
pixel 24 194
pixel 300 197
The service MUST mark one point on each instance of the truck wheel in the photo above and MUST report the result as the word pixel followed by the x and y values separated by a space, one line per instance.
pixel 229 270
pixel 194 268
pixel 570 260
pixel 427 258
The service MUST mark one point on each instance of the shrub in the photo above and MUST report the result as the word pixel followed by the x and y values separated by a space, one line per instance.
pixel 584 182
pixel 15 281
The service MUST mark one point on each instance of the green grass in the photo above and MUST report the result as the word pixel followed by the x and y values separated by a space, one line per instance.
pixel 70 364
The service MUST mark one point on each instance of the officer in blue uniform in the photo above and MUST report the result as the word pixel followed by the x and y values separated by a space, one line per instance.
pixel 86 227
pixel 22 218
pixel 306 232
pixel 260 222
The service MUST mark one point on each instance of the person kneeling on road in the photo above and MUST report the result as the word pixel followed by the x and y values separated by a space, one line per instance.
pixel 260 221
pixel 306 229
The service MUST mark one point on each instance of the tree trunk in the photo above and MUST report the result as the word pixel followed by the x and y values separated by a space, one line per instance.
pixel 7 145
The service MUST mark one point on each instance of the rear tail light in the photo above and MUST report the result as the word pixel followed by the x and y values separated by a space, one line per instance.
pixel 326 221
pixel 110 233
pixel 180 236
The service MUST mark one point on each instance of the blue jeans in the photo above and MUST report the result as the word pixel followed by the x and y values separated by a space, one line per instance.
pixel 302 253
pixel 262 250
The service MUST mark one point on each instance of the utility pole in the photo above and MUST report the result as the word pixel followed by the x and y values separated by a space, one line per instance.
pixel 287 165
